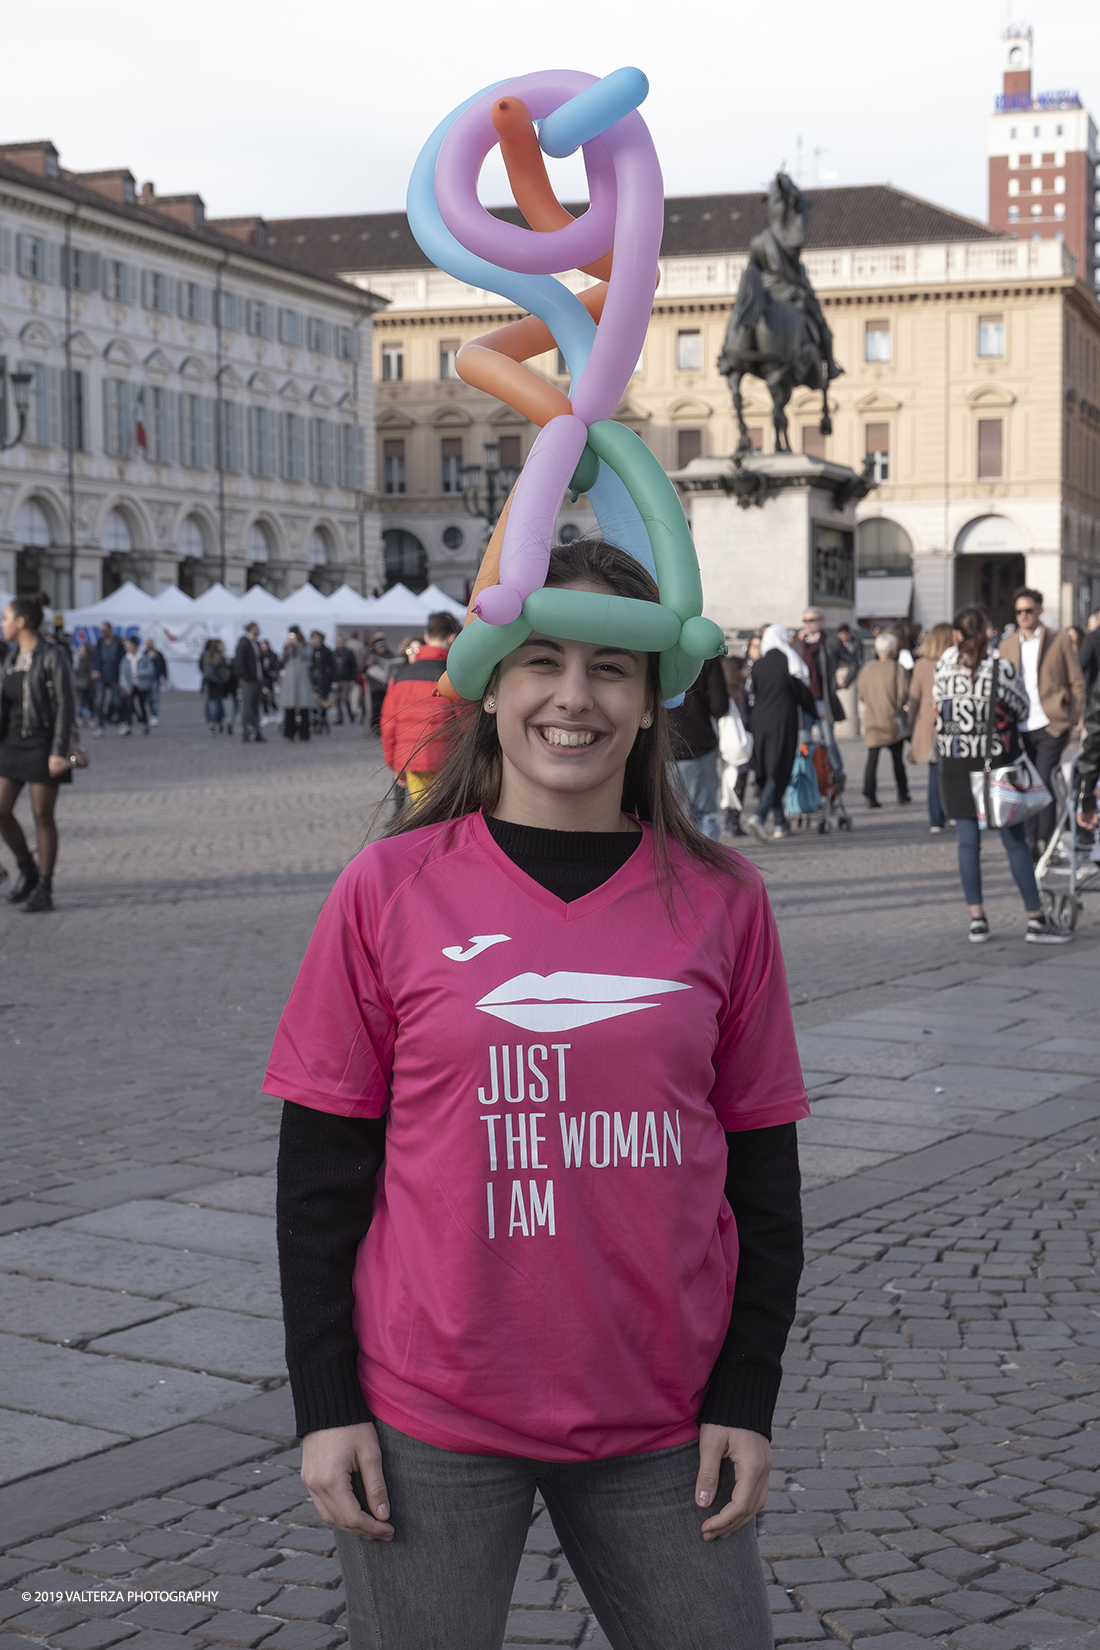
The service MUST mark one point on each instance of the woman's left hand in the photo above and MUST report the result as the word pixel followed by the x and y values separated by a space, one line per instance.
pixel 751 1455
pixel 57 766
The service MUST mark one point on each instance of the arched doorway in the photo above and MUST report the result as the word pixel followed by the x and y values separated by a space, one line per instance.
pixel 192 549
pixel 990 565
pixel 884 570
pixel 406 560
pixel 118 542
pixel 32 532
pixel 320 554
pixel 258 550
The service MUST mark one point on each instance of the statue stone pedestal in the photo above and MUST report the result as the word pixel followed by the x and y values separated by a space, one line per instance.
pixel 774 535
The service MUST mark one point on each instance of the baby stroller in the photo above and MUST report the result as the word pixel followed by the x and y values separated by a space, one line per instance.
pixel 831 785
pixel 1067 868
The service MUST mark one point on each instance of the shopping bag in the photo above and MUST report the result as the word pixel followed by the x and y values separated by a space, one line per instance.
pixel 802 796
pixel 1005 796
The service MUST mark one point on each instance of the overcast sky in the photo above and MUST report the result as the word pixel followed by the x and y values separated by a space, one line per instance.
pixel 293 110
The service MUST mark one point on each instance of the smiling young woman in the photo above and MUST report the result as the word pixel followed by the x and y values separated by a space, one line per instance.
pixel 538 1181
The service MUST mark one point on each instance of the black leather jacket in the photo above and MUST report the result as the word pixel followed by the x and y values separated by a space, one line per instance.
pixel 49 706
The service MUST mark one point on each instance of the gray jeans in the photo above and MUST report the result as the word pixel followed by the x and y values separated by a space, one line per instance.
pixel 628 1526
pixel 697 779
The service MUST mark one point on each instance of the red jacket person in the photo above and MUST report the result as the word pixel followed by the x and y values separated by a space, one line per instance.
pixel 416 725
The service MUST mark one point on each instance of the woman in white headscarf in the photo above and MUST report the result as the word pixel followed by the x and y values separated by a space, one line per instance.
pixel 781 692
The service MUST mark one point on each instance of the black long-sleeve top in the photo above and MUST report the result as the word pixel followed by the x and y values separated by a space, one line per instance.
pixel 328 1169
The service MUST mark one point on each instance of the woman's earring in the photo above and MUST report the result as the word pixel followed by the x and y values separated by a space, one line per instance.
pixel 646 719
pixel 490 704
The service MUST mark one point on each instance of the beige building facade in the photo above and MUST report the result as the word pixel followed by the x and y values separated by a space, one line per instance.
pixel 971 389
pixel 201 408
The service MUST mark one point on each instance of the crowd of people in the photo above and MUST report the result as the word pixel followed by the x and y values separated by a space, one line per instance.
pixel 301 686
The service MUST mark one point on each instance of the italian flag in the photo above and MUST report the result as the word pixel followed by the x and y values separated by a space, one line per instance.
pixel 140 429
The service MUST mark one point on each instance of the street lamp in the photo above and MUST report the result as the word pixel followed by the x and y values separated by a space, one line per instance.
pixel 21 384
pixel 486 500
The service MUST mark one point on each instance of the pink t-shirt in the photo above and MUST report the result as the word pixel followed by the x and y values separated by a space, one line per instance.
pixel 550 1266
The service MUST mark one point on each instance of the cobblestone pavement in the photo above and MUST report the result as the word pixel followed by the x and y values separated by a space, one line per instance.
pixel 938 1438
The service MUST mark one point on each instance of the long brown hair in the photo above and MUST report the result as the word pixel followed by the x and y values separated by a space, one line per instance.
pixel 936 643
pixel 972 623
pixel 469 782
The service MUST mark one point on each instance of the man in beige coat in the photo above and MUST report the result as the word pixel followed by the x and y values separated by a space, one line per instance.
pixel 1046 662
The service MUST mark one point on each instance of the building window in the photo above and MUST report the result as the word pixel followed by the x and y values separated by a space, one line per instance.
pixel 191 541
pixel 32 527
pixel 116 285
pixel 117 418
pixel 756 436
pixel 393 363
pixel 116 535
pixel 447 353
pixel 883 548
pixel 453 538
pixel 451 449
pixel 563 366
pixel 157 435
pixel 1036 212
pixel 351 457
pixel 288 328
pixel 291 457
pixel 1014 186
pixel 1060 209
pixel 876 341
pixel 318 548
pixel 991 335
pixel 1036 186
pixel 689 445
pixel 192 431
pixel 32 257
pixel 259 324
pixel 511 455
pixel 689 351
pixel 1059 186
pixel 813 442
pixel 318 341
pixel 345 343
pixel 320 452
pixel 990 449
pixel 393 466
pixel 74 402
pixel 159 293
pixel 1013 213
pixel 877 448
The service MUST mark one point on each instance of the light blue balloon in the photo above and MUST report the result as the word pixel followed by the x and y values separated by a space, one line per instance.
pixel 617 514
pixel 592 111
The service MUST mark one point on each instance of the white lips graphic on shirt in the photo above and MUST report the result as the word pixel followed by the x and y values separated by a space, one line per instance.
pixel 594 997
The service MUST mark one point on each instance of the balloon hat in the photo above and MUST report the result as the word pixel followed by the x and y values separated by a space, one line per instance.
pixel 579 447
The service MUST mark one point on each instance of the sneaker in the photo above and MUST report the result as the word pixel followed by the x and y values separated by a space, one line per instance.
pixel 779 833
pixel 979 930
pixel 1043 930
pixel 124 730
pixel 153 720
pixel 935 830
pixel 756 828
pixel 40 899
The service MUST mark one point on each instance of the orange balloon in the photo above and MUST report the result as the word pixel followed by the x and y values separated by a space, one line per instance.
pixel 488 369
pixel 531 186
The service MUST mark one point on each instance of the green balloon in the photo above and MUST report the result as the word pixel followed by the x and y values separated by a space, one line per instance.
pixel 584 476
pixel 478 649
pixel 660 509
pixel 613 621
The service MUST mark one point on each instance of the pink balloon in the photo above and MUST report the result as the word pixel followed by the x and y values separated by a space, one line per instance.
pixel 529 533
pixel 529 252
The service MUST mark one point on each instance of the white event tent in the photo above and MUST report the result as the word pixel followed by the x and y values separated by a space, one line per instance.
pixel 181 627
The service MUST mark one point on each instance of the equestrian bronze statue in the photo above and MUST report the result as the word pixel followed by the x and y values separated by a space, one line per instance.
pixel 777 331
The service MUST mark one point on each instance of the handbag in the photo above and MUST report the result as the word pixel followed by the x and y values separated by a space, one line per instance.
pixel 802 796
pixel 901 717
pixel 1005 796
pixel 78 756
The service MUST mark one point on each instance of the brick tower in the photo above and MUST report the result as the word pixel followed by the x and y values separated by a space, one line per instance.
pixel 1042 159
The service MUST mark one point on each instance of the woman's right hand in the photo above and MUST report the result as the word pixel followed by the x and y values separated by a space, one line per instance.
pixel 329 1458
